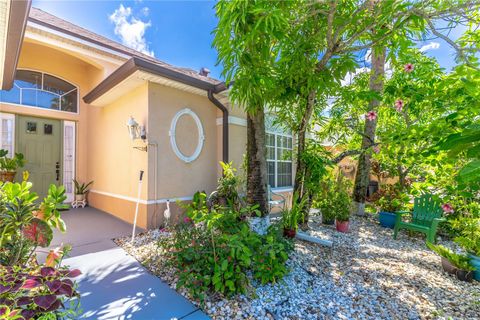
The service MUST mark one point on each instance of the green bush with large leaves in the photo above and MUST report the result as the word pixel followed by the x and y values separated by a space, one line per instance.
pixel 26 224
pixel 214 250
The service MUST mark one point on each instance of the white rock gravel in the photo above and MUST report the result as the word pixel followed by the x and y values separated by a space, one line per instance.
pixel 366 275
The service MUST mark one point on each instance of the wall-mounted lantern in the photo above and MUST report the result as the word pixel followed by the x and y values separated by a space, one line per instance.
pixel 136 132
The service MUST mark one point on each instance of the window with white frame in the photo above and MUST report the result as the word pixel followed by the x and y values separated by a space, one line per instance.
pixel 41 90
pixel 7 131
pixel 279 145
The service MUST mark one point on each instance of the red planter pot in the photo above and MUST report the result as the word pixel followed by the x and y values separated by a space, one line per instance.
pixel 289 233
pixel 342 226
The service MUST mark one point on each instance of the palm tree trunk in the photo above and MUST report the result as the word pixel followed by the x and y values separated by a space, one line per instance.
pixel 256 162
pixel 362 177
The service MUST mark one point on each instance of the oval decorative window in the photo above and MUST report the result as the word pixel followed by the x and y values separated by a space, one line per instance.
pixel 173 140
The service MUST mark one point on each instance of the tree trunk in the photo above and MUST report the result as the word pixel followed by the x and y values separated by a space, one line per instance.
pixel 256 162
pixel 298 187
pixel 362 177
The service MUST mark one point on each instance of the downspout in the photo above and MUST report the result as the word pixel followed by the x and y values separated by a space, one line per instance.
pixel 220 106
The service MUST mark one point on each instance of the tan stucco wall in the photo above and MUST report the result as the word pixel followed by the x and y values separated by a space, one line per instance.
pixel 113 162
pixel 175 177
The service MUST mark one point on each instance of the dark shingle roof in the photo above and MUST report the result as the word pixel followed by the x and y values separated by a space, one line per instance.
pixel 43 18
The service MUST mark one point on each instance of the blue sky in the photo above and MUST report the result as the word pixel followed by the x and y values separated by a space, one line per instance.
pixel 177 32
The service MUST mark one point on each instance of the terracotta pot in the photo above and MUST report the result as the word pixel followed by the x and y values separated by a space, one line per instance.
pixel 342 226
pixel 289 233
pixel 79 197
pixel 464 275
pixel 448 266
pixel 7 176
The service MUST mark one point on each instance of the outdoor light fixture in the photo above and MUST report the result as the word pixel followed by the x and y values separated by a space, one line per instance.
pixel 135 130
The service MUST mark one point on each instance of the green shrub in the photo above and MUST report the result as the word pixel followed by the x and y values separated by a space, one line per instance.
pixel 25 224
pixel 290 217
pixel 271 256
pixel 460 261
pixel 11 164
pixel 213 250
pixel 468 229
pixel 334 199
pixel 390 198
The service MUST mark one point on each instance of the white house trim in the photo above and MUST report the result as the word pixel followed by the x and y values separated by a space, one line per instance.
pixel 142 201
pixel 233 120
pixel 67 154
pixel 76 39
pixel 9 117
pixel 173 140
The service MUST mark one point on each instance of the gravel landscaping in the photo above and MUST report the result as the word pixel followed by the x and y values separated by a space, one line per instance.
pixel 366 275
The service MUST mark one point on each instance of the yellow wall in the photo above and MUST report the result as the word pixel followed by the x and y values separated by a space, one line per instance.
pixel 113 162
pixel 41 58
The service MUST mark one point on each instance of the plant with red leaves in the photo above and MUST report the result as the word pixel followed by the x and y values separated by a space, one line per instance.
pixel 30 292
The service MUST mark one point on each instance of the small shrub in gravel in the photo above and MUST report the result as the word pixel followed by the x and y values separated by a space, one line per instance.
pixel 215 250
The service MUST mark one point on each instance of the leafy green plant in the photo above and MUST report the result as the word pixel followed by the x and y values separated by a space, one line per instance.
pixel 334 199
pixel 390 198
pixel 33 292
pixel 214 249
pixel 342 205
pixel 226 193
pixel 81 188
pixel 469 233
pixel 291 217
pixel 460 261
pixel 269 261
pixel 11 164
pixel 26 224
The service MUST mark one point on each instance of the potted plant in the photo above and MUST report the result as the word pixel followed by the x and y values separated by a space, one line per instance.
pixel 327 209
pixel 9 166
pixel 389 200
pixel 81 190
pixel 342 204
pixel 454 263
pixel 468 228
pixel 290 217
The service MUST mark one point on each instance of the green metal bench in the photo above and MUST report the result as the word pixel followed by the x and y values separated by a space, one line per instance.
pixel 426 216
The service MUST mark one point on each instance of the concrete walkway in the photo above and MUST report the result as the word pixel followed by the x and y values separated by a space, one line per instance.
pixel 113 285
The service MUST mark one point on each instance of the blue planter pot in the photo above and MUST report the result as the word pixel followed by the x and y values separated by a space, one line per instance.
pixel 386 219
pixel 475 262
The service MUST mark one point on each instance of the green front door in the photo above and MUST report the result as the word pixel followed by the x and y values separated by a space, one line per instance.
pixel 39 140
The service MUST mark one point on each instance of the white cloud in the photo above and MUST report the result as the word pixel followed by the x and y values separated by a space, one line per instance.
pixel 351 75
pixel 431 46
pixel 146 11
pixel 130 29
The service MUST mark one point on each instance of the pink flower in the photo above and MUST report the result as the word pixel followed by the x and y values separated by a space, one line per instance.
pixel 371 115
pixel 187 220
pixel 408 67
pixel 399 105
pixel 376 149
pixel 447 208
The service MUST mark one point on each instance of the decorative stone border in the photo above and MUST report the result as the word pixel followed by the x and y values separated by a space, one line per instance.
pixel 173 141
